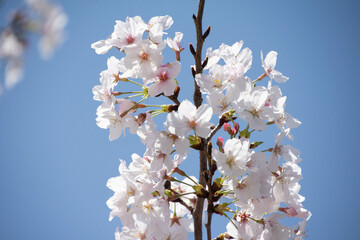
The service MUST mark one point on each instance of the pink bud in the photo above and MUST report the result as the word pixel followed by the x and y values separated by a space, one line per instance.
pixel 233 131
pixel 236 126
pixel 220 143
pixel 227 128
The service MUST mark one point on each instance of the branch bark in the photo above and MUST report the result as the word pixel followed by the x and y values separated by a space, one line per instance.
pixel 198 211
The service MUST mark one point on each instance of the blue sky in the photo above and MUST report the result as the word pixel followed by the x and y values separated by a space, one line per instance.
pixel 55 161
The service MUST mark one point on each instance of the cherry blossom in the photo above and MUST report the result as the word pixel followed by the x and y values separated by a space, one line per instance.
pixel 164 79
pixel 269 67
pixel 244 177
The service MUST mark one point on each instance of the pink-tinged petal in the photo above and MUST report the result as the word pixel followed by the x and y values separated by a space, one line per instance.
pixel 165 21
pixel 115 132
pixel 187 109
pixel 281 102
pixel 270 59
pixel 101 47
pixel 257 124
pixel 204 113
pixel 155 89
pixel 182 145
pixel 292 122
pixel 259 97
pixel 173 69
pixel 235 48
pixel 245 58
pixel 273 162
pixel 204 129
pixel 278 77
pixel 178 36
pixel 169 87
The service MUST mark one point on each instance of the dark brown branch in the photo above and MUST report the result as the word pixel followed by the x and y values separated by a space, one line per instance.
pixel 174 97
pixel 199 44
pixel 209 220
pixel 210 206
pixel 198 211
pixel 214 131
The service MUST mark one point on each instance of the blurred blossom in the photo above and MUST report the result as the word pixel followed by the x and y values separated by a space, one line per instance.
pixel 52 21
pixel 41 17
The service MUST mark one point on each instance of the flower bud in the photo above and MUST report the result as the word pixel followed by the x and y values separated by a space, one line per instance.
pixel 220 143
pixel 236 127
pixel 227 128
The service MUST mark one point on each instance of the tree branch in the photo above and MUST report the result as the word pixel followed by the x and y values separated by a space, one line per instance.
pixel 197 101
pixel 199 44
pixel 214 131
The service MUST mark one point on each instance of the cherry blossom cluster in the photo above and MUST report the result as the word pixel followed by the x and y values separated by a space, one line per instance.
pixel 254 189
pixel 41 17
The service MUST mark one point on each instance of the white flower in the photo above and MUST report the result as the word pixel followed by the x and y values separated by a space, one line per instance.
pixel 125 34
pixel 144 58
pixel 12 49
pixel 269 67
pixel 221 103
pixel 104 92
pixel 233 56
pixel 213 57
pixel 108 117
pixel 52 24
pixel 156 27
pixel 174 44
pixel 234 159
pixel 286 186
pixel 274 230
pixel 215 81
pixel 189 118
pixel 245 228
pixel 164 79
pixel 253 110
pixel 165 21
pixel 288 152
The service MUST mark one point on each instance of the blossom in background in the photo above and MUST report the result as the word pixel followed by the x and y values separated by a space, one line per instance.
pixel 41 17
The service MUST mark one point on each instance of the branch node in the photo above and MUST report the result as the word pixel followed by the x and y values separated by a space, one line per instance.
pixel 194 17
pixel 207 32
pixel 193 71
pixel 192 50
pixel 205 62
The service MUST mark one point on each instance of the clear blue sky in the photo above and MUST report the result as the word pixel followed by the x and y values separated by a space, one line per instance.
pixel 55 161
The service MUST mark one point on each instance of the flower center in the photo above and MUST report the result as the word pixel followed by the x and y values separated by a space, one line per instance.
pixel 130 39
pixel 143 56
pixel 163 76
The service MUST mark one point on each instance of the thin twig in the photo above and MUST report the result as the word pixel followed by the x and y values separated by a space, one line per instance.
pixel 214 131
pixel 191 209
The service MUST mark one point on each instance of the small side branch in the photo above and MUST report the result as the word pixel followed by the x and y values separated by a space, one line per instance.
pixel 191 209
pixel 214 131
